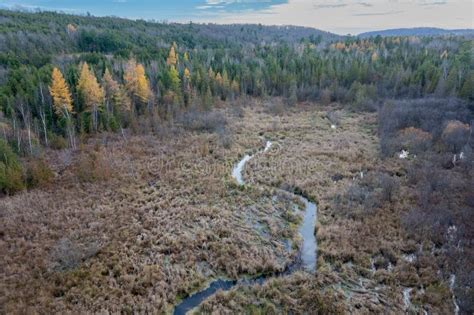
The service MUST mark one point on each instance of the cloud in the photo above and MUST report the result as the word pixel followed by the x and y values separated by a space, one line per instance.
pixel 378 13
pixel 341 16
pixel 330 6
pixel 430 3
pixel 237 6
pixel 33 8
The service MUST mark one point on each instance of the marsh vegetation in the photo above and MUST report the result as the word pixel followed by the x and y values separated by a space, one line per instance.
pixel 144 166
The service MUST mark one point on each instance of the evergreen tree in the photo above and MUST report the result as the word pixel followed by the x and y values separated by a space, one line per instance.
pixel 467 90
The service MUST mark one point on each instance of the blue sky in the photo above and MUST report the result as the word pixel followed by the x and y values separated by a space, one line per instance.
pixel 339 16
pixel 182 10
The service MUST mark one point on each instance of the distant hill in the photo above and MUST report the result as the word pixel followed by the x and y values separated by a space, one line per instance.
pixel 418 31
pixel 187 34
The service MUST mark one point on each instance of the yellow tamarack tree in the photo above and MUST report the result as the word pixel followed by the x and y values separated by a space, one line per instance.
pixel 91 93
pixel 62 102
pixel 136 82
pixel 172 59
pixel 59 91
pixel 115 97
pixel 187 74
pixel 143 87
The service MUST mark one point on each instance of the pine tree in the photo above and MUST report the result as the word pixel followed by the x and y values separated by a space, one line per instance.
pixel 225 79
pixel 187 86
pixel 234 88
pixel 207 100
pixel 174 79
pixel 91 93
pixel 292 97
pixel 467 89
pixel 225 85
pixel 212 80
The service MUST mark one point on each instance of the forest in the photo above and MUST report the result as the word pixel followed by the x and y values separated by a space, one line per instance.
pixel 111 71
pixel 67 82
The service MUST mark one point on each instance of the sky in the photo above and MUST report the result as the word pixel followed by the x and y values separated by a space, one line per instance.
pixel 338 16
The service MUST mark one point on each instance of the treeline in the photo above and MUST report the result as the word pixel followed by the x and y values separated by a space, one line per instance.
pixel 62 76
pixel 35 38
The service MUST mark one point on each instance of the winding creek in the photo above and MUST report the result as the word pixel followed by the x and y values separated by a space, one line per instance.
pixel 307 249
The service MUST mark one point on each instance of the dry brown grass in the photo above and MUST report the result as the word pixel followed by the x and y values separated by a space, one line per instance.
pixel 324 162
pixel 164 219
pixel 167 218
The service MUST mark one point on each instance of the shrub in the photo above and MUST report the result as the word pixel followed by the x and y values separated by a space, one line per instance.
pixel 11 174
pixel 414 140
pixel 92 167
pixel 225 138
pixel 38 173
pixel 455 135
pixel 203 121
pixel 334 117
pixel 426 114
pixel 325 97
pixel 57 142
pixel 67 254
pixel 389 186
pixel 275 107
pixel 237 111
pixel 362 96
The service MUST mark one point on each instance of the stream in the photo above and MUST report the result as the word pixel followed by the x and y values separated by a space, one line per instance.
pixel 307 250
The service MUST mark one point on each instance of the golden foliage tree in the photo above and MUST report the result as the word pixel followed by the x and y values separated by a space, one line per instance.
pixel 89 88
pixel 59 91
pixel 143 87
pixel 219 78
pixel 114 94
pixel 91 93
pixel 172 59
pixel 374 57
pixel 136 82
pixel 71 29
pixel 187 74
pixel 211 74
pixel 62 102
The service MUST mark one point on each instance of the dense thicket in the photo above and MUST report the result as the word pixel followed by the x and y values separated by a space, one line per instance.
pixel 437 134
pixel 145 72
